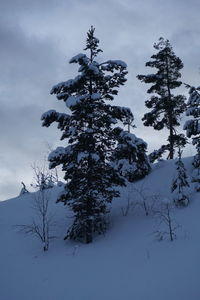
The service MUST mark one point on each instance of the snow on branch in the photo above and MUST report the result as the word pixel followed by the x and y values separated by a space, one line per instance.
pixel 79 58
pixel 65 85
pixel 53 116
pixel 59 155
pixel 116 64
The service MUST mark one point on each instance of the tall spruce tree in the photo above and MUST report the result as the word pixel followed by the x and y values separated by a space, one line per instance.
pixel 89 132
pixel 192 128
pixel 166 108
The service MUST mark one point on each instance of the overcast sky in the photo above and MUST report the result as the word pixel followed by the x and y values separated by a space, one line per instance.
pixel 38 38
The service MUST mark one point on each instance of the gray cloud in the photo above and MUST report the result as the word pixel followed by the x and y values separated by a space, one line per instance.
pixel 39 37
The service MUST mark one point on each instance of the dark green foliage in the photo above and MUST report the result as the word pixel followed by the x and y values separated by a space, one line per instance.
pixel 192 128
pixel 179 141
pixel 196 171
pixel 157 154
pixel 165 107
pixel 90 138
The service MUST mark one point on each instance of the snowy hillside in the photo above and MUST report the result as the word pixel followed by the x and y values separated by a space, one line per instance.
pixel 127 263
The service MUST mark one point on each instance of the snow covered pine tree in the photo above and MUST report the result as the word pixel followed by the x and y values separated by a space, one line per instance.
pixel 129 157
pixel 180 183
pixel 165 107
pixel 91 138
pixel 192 128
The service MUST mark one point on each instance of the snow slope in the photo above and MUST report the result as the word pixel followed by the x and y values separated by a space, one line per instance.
pixel 127 263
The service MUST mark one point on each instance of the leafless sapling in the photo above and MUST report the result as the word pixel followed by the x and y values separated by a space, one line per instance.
pixel 42 222
pixel 43 177
pixel 164 217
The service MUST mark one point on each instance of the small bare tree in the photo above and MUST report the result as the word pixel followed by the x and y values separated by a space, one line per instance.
pixel 138 196
pixel 42 223
pixel 43 177
pixel 145 200
pixel 164 217
pixel 130 203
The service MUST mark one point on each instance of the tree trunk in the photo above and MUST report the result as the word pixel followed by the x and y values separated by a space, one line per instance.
pixel 171 142
pixel 89 237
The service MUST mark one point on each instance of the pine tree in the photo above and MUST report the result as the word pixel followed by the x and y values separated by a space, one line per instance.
pixel 192 128
pixel 180 183
pixel 89 132
pixel 129 157
pixel 166 108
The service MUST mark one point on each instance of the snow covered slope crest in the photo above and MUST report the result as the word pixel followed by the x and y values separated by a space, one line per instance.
pixel 127 263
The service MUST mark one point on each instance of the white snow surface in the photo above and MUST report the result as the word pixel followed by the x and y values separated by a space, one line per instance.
pixel 127 263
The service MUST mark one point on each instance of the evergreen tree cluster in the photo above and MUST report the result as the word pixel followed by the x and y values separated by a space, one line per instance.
pixel 192 128
pixel 100 154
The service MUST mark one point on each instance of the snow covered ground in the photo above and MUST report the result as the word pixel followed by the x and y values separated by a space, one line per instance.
pixel 127 263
